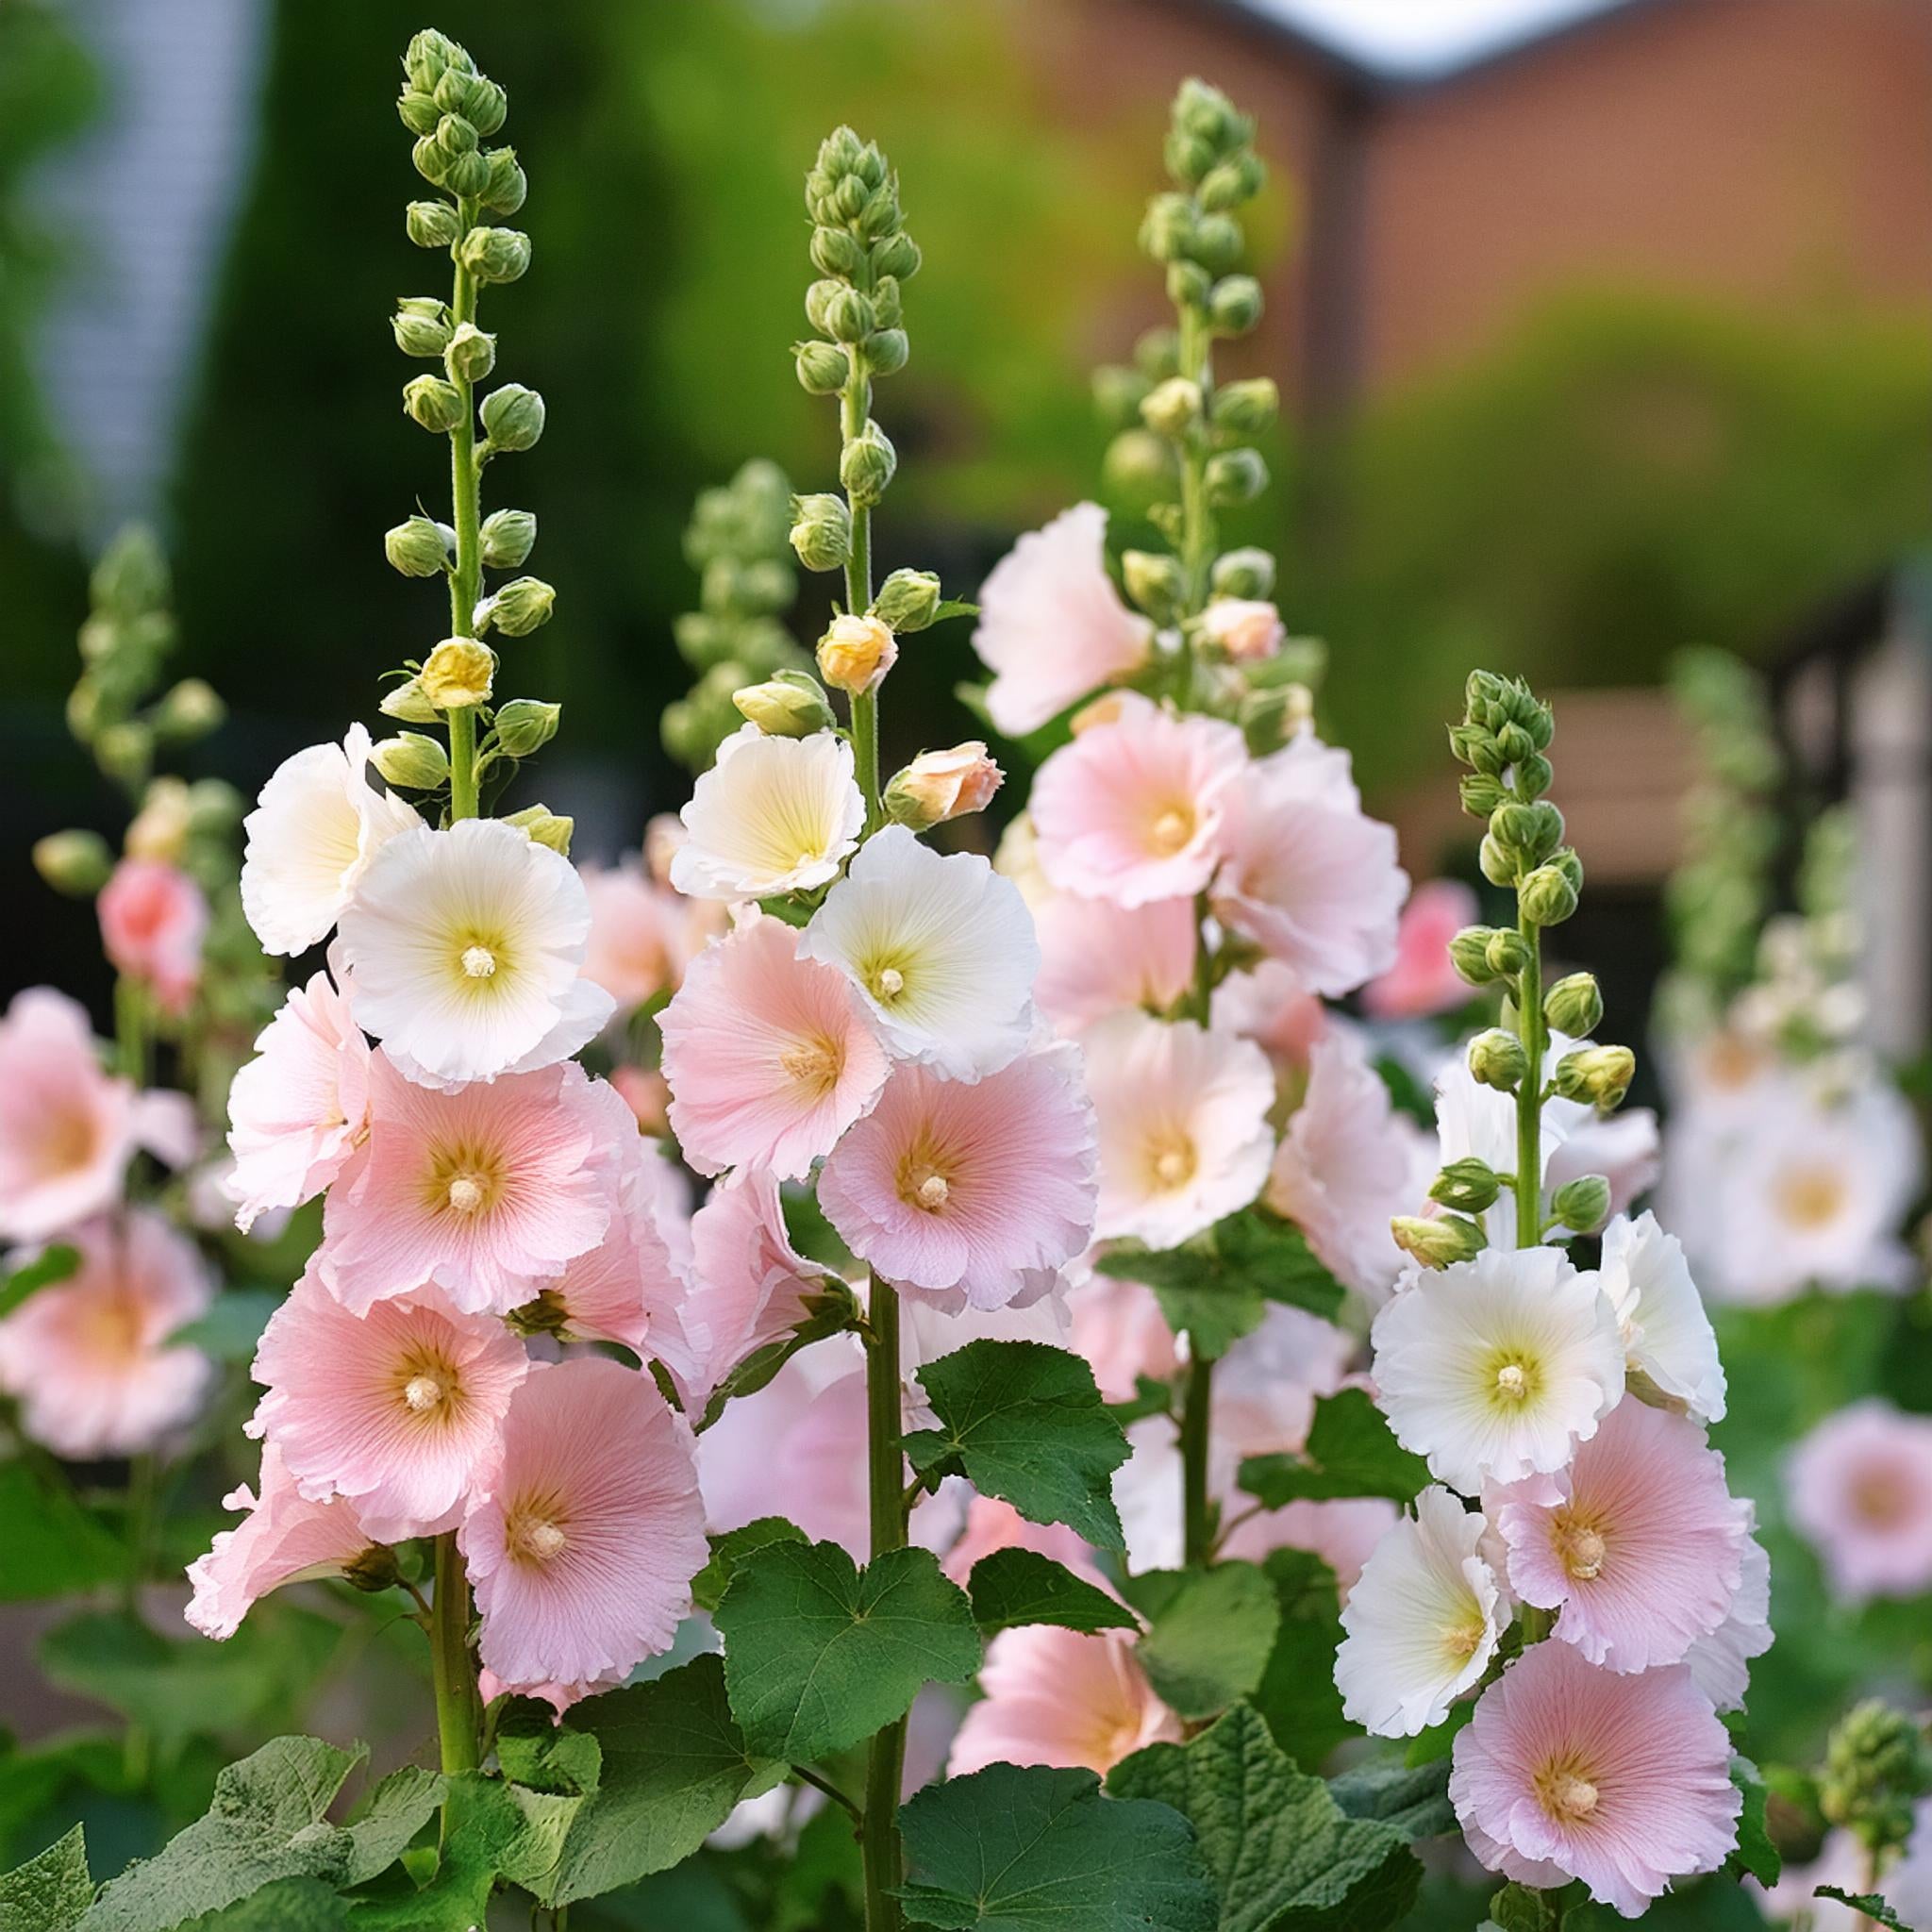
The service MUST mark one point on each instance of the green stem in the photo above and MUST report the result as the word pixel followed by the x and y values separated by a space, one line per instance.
pixel 130 1030
pixel 885 1757
pixel 466 515
pixel 1529 1094
pixel 855 405
pixel 1197 1523
pixel 463 763
pixel 459 1715
pixel 1197 519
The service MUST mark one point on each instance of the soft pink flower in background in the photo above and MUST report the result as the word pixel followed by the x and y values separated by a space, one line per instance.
pixel 153 919
pixel 647 1093
pixel 400 1409
pixel 283 1538
pixel 1567 1770
pixel 640 934
pixel 88 1358
pixel 1096 957
pixel 1268 1004
pixel 1134 808
pixel 1052 626
pixel 1861 1493
pixel 581 1557
pixel 631 1288
pixel 994 1524
pixel 770 1057
pixel 1422 981
pixel 771 815
pixel 1120 1329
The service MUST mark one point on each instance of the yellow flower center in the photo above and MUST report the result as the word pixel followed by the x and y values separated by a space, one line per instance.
pixel 887 982
pixel 815 1063
pixel 1580 1544
pixel 65 1142
pixel 1565 1792
pixel 534 1531
pixel 924 1179
pixel 429 1388
pixel 479 962
pixel 421 1393
pixel 1812 1197
pixel 1461 1640
pixel 1172 1158
pixel 1512 1381
pixel 1172 830
pixel 113 1326
pixel 463 1180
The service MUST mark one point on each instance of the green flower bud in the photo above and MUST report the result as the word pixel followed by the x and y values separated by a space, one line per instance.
pixel 416 548
pixel 1236 475
pixel 1468 953
pixel 896 256
pixel 477 99
pixel 418 113
pixel 1234 305
pixel 1207 113
pixel 431 160
pixel 1497 861
pixel 410 702
pixel 1188 156
pixel 430 56
pixel 433 402
pixel 866 465
pixel 505 185
pixel 1236 180
pixel 1167 230
pixel 790 705
pixel 1248 408
pixel 543 826
pixel 1473 746
pixel 455 135
pixel 1154 581
pixel 1158 354
pixel 907 600
pixel 1509 952
pixel 1118 393
pixel 508 536
pixel 421 325
pixel 214 807
pixel 823 367
pixel 1172 408
pixel 1188 284
pixel 470 355
pixel 886 350
pixel 849 317
pixel 1547 896
pixel 820 531
pixel 1138 466
pixel 495 254
pixel 880 215
pixel 466 174
pixel 526 725
pixel 1513 744
pixel 1216 242
pixel 411 760
pixel 1524 829
pixel 1470 1186
pixel 818 304
pixel 521 605
pixel 1497 1059
pixel 1566 861
pixel 1878 1764
pixel 1438 1241
pixel 1598 1076
pixel 1247 573
pixel 1480 796
pixel 432 223
pixel 189 710
pixel 1575 1006
pixel 1583 1205
pixel 513 417
pixel 75 864
pixel 124 751
pixel 838 252
pixel 1533 775
pixel 373 1571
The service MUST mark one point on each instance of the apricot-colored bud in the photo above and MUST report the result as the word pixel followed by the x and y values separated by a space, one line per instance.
pixel 458 673
pixel 1246 628
pixel 856 654
pixel 940 785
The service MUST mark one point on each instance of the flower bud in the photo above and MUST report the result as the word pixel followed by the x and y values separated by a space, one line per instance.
pixel 1509 952
pixel 1188 284
pixel 467 175
pixel 789 705
pixel 1247 573
pixel 526 725
pixel 433 402
pixel 432 223
pixel 1513 743
pixel 896 256
pixel 495 254
pixel 1118 393
pixel 1235 180
pixel 407 701
pixel 416 762
pixel 455 135
pixel 418 113
pixel 1468 1186
pixel 543 826
pixel 1235 477
pixel 1878 1765
pixel 1583 1205
pixel 1248 408
pixel 1246 629
pixel 866 465
pixel 124 751
pixel 416 548
pixel 940 785
pixel 73 863
pixel 431 160
pixel 820 531
pixel 1480 796
pixel 1496 860
pixel 1438 1241
pixel 430 56
pixel 1575 1006
pixel 513 417
pixel 886 351
pixel 1167 230
pixel 373 1571
pixel 161 828
pixel 856 654
pixel 421 325
pixel 1154 581
pixel 1188 156
pixel 1497 1059
pixel 1469 954
pixel 837 251
pixel 188 711
pixel 521 605
pixel 505 185
pixel 907 600
pixel 849 316
pixel 470 355
pixel 1172 408
pixel 1547 896
pixel 1158 354
pixel 214 807
pixel 1533 775
pixel 480 101
pixel 819 298
pixel 823 367
pixel 1138 466
pixel 458 673
pixel 1234 305
pixel 509 537
pixel 1599 1075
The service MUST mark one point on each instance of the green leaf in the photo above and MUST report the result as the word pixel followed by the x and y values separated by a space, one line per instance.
pixel 818 1655
pixel 1017 1586
pixel 707 1587
pixel 51 1265
pixel 1282 1851
pixel 1025 1421
pixel 544 1755
pixel 396 1811
pixel 232 1325
pixel 1522 1908
pixel 50 1893
pixel 1427 1747
pixel 1013 1849
pixel 1869 1902
pixel 289 1905
pixel 955 606
pixel 830 1311
pixel 1756 1852
pixel 1297 1693
pixel 1351 1452
pixel 1413 1798
pixel 49 1545
pixel 674 1765
pixel 1211 1633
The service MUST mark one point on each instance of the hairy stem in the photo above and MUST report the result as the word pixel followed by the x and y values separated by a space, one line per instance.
pixel 886 1469
pixel 1197 1523
pixel 466 517
pixel 1529 1093
pixel 459 1715
pixel 855 404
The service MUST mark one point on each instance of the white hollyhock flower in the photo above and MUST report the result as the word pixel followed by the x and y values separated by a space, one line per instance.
pixel 940 947
pixel 312 834
pixel 1421 1620
pixel 771 815
pixel 1666 1333
pixel 467 947
pixel 1496 1368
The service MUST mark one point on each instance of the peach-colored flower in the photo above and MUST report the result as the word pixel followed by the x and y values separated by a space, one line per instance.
pixel 639 936
pixel 1120 1329
pixel 1096 957
pixel 942 785
pixel 1246 628
pixel 153 919
pixel 1422 981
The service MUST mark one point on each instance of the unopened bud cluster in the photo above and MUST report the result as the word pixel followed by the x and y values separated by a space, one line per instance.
pixel 1877 1766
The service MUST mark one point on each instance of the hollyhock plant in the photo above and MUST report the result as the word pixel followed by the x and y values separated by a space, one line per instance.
pixel 1666 1335
pixel 1096 957
pixel 154 918
pixel 771 815
pixel 1860 1492
pixel 1424 980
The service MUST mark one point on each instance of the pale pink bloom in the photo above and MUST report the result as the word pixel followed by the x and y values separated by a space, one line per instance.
pixel 647 1093
pixel 1343 1530
pixel 1096 957
pixel 1246 628
pixel 1268 1004
pixel 1052 626
pixel 1310 877
pixel 1059 1697
pixel 486 1193
pixel 582 1556
pixel 298 1109
pixel 1666 1335
pixel 1568 1772
pixel 992 1524
pixel 1120 1329
pixel 1422 981
pixel 1348 1163
pixel 931 1327
pixel 1721 1663
pixel 67 1129
pixel 153 919
pixel 1860 1490
pixel 982 1191
pixel 1136 808
pixel 89 1359
pixel 770 1057
pixel 1638 1544
pixel 1184 1131
pixel 639 936
pixel 942 785
pixel 283 1538
pixel 771 815
pixel 400 1409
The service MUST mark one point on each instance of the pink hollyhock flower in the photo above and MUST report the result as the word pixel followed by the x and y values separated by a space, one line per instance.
pixel 992 1524
pixel 1310 877
pixel 980 1191
pixel 87 1357
pixel 1135 808
pixel 486 1193
pixel 1120 1329
pixel 582 1556
pixel 1184 1131
pixel 297 1110
pixel 639 936
pixel 1569 1772
pixel 647 1093
pixel 1052 626
pixel 770 1057
pixel 1056 1697
pixel 1270 1005
pixel 1422 981
pixel 67 1130
pixel 283 1538
pixel 1721 1663
pixel 1348 1163
pixel 1638 1544
pixel 1096 957
pixel 1860 1491
pixel 400 1409
pixel 153 919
